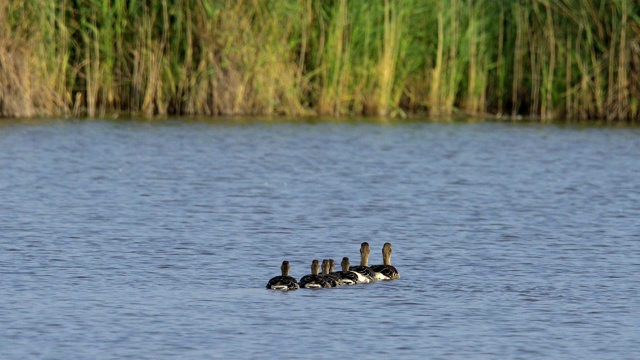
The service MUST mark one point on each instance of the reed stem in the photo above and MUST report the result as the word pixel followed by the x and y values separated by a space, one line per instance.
pixel 573 59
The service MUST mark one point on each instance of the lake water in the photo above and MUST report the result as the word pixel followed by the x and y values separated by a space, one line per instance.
pixel 154 240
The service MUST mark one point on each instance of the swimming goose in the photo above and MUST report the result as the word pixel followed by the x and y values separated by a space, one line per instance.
pixel 364 268
pixel 386 270
pixel 329 276
pixel 284 281
pixel 313 280
pixel 347 277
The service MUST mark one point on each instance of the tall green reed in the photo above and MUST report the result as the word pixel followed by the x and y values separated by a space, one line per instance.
pixel 549 59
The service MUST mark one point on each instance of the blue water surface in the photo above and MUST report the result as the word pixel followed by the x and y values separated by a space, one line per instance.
pixel 154 240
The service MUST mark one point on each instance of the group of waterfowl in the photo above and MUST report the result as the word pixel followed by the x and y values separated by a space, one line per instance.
pixel 350 275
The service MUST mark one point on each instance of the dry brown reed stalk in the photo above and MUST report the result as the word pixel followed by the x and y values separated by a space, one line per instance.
pixel 547 105
pixel 621 107
pixel 393 22
pixel 634 73
pixel 436 73
pixel 521 15
pixel 27 84
pixel 476 48
pixel 334 60
pixel 251 67
pixel 15 90
pixel 500 65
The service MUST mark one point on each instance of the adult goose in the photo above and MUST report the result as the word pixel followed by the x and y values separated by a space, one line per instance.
pixel 283 282
pixel 364 268
pixel 386 271
pixel 347 277
pixel 329 276
pixel 313 280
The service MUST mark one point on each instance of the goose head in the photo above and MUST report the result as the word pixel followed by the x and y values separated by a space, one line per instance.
pixel 386 253
pixel 365 250
pixel 285 268
pixel 332 265
pixel 325 266
pixel 345 264
pixel 315 267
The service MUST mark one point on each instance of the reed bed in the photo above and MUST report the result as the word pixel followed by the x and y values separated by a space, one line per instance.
pixel 546 59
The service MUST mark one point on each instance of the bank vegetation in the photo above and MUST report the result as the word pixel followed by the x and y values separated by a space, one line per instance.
pixel 546 59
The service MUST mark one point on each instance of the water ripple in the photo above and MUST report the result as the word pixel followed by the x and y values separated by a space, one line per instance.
pixel 155 240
